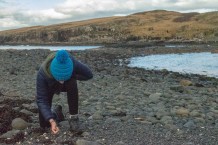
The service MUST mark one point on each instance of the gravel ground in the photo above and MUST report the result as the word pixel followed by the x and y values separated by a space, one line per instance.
pixel 119 106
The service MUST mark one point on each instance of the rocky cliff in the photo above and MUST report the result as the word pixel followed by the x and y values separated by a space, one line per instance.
pixel 156 25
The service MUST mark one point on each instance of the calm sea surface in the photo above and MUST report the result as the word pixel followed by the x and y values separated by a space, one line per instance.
pixel 27 47
pixel 196 63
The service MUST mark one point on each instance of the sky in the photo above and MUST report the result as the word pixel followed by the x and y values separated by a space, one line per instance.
pixel 24 13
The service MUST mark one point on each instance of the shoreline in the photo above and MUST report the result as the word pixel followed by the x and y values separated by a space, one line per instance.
pixel 121 104
pixel 121 44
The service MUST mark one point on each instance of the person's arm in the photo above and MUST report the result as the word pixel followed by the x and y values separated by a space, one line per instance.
pixel 82 72
pixel 43 103
pixel 42 97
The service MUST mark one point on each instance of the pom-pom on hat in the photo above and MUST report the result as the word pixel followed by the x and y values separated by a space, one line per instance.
pixel 61 66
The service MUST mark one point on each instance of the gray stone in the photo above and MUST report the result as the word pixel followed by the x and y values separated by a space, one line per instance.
pixel 26 105
pixel 28 113
pixel 32 106
pixel 85 142
pixel 190 124
pixel 195 113
pixel 146 122
pixel 189 143
pixel 210 116
pixel 112 120
pixel 177 88
pixel 119 113
pixel 120 143
pixel 110 107
pixel 167 120
pixel 121 97
pixel 152 119
pixel 64 124
pixel 172 127
pixel 199 120
pixel 19 124
pixel 85 134
pixel 216 123
pixel 155 97
pixel 160 113
pixel 16 108
pixel 96 116
pixel 10 134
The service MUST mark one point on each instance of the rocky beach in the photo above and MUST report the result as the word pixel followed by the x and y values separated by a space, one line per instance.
pixel 119 106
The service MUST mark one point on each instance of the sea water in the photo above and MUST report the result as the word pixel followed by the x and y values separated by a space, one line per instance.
pixel 29 47
pixel 204 63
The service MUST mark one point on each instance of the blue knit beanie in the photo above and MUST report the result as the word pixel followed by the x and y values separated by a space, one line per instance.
pixel 61 66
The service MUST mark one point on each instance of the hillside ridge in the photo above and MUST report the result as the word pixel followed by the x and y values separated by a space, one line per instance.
pixel 157 25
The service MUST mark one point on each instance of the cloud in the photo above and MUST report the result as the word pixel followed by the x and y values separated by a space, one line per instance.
pixel 198 10
pixel 2 1
pixel 85 9
pixel 44 15
pixel 95 6
pixel 10 22
pixel 182 5
pixel 104 8
pixel 19 14
pixel 17 17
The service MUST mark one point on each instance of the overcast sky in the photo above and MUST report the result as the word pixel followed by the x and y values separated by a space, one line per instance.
pixel 23 13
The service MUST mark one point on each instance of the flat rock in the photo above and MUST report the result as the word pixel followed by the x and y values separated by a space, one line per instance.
pixel 10 134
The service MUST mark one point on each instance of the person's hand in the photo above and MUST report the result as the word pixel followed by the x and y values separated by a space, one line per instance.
pixel 54 127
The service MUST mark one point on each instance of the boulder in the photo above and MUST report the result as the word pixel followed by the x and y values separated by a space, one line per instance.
pixel 185 83
pixel 19 124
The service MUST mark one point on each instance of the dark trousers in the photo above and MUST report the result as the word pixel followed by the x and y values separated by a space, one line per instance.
pixel 69 86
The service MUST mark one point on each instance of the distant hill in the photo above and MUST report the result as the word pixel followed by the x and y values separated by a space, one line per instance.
pixel 158 25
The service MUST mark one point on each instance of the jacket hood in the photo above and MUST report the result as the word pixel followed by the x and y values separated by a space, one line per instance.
pixel 46 65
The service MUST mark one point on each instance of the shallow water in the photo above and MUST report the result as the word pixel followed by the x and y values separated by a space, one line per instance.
pixel 174 46
pixel 205 63
pixel 28 47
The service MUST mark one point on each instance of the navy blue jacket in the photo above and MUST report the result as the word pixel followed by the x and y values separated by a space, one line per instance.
pixel 45 81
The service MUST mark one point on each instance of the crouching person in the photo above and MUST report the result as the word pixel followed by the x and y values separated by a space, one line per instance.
pixel 59 73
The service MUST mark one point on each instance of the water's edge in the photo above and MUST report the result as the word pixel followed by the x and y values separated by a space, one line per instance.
pixel 30 47
pixel 204 63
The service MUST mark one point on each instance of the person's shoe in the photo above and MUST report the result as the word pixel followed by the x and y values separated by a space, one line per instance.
pixel 74 122
pixel 58 113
